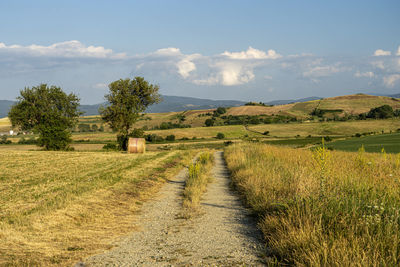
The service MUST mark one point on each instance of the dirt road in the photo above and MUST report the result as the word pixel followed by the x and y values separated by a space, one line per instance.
pixel 224 235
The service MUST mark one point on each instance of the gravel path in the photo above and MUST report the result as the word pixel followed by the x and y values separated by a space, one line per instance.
pixel 224 235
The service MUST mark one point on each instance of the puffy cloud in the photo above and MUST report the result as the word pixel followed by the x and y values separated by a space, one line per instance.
pixel 398 51
pixel 228 68
pixel 68 49
pixel 252 53
pixel 368 74
pixel 381 52
pixel 168 52
pixel 228 74
pixel 391 80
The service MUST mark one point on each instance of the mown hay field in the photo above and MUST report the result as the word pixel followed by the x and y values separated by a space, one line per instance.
pixel 57 207
pixel 5 124
pixel 322 208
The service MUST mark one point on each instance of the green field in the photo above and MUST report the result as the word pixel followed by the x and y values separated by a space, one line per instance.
pixel 373 143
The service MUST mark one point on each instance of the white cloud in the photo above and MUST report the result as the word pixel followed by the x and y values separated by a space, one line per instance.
pixel 381 52
pixel 398 51
pixel 170 51
pixel 68 49
pixel 391 80
pixel 368 74
pixel 252 53
pixel 322 71
pixel 228 74
pixel 378 64
pixel 100 85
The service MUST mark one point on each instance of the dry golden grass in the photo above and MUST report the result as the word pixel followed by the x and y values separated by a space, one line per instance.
pixel 5 125
pixel 196 184
pixel 259 110
pixel 57 207
pixel 322 208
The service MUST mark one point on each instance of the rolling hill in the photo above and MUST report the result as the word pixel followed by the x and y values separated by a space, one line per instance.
pixel 348 104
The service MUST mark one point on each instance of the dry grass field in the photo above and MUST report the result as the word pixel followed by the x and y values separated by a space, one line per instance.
pixel 322 208
pixel 5 125
pixel 57 207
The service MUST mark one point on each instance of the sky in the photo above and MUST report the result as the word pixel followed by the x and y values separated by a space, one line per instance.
pixel 227 49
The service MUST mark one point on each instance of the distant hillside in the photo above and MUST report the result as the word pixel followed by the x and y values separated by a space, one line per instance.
pixel 350 104
pixel 284 102
pixel 5 107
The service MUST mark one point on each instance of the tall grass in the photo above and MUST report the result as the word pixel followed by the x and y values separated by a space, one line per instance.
pixel 321 207
pixel 196 183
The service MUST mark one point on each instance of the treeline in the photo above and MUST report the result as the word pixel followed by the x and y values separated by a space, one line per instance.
pixel 382 112
pixel 249 119
pixel 83 127
pixel 258 104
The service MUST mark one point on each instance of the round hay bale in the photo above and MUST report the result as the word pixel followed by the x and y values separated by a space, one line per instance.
pixel 136 145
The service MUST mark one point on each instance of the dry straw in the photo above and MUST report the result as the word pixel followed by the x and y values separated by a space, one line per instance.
pixel 137 145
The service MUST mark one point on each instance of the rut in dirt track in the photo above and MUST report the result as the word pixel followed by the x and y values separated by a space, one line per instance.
pixel 224 235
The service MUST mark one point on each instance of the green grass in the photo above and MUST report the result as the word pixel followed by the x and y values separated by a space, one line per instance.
pixel 196 183
pixel 373 143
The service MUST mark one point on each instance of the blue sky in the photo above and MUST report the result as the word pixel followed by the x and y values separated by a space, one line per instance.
pixel 246 50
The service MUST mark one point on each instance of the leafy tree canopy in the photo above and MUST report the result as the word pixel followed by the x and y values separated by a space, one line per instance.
pixel 382 112
pixel 127 99
pixel 48 111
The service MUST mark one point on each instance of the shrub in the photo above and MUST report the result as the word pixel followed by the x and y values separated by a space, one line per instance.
pixel 4 140
pixel 137 133
pixel 221 110
pixel 170 137
pixel 95 128
pixel 24 141
pixel 110 147
pixel 220 136
pixel 209 122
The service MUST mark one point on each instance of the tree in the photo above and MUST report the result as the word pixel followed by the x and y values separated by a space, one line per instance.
pixel 127 99
pixel 94 128
pixel 209 122
pixel 220 136
pixel 382 112
pixel 48 111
